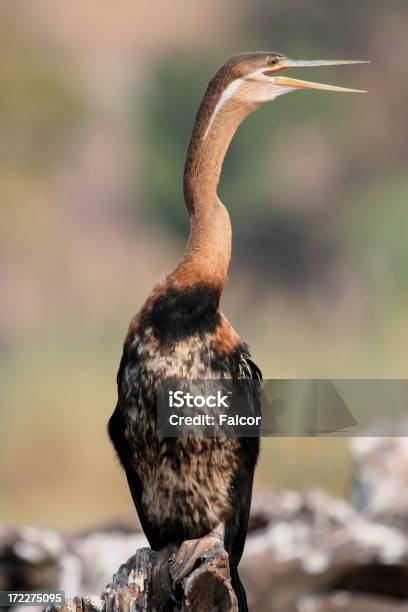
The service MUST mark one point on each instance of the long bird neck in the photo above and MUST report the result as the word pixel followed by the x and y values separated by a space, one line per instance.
pixel 208 251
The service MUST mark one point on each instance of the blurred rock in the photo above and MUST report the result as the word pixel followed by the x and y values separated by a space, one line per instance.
pixel 318 554
pixel 380 484
pixel 305 553
pixel 36 558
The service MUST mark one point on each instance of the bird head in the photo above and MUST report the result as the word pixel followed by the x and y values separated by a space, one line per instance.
pixel 255 77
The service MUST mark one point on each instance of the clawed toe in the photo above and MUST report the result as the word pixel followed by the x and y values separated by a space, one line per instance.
pixel 189 555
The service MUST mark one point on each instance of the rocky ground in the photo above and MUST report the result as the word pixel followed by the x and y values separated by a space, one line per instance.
pixel 304 553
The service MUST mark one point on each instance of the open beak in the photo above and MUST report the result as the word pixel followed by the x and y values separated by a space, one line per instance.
pixel 290 83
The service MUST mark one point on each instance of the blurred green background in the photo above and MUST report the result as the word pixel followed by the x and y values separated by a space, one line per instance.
pixel 97 102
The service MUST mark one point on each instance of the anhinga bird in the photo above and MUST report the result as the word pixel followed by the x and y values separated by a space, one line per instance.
pixel 185 488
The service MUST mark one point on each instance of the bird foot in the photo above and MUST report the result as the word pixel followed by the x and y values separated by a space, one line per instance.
pixel 190 553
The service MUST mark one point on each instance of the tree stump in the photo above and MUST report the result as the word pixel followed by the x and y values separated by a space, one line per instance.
pixel 143 584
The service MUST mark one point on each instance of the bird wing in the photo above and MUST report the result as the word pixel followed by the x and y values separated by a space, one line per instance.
pixel 116 433
pixel 247 366
pixel 236 527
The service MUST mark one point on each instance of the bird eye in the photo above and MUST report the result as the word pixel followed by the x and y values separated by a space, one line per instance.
pixel 272 61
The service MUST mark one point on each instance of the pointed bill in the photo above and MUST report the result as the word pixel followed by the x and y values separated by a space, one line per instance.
pixel 288 63
pixel 298 84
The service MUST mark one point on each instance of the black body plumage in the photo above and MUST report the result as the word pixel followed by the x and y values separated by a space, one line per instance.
pixel 183 487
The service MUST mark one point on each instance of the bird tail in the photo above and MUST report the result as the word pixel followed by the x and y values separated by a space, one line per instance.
pixel 238 588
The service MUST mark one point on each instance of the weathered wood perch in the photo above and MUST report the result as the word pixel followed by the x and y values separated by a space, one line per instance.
pixel 143 584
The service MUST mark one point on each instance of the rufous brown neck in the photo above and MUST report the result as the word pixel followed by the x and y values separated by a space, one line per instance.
pixel 208 251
